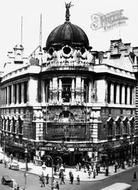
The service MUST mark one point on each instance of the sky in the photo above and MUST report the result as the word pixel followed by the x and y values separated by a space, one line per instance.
pixel 53 14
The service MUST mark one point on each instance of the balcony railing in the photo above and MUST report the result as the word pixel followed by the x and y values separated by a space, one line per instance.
pixel 67 65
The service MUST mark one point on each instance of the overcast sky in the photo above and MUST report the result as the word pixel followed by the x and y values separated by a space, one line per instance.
pixel 53 14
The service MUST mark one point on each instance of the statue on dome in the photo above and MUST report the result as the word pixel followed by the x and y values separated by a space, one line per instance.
pixel 68 5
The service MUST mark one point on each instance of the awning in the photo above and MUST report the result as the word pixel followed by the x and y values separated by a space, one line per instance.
pixel 131 119
pixel 109 119
pixel 21 117
pixel 15 117
pixel 117 118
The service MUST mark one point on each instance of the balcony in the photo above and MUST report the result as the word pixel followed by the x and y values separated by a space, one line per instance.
pixel 67 65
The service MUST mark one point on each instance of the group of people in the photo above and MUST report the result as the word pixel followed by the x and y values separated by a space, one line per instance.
pixel 71 177
pixel 44 180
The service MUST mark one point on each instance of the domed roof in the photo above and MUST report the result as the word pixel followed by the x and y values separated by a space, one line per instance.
pixel 67 33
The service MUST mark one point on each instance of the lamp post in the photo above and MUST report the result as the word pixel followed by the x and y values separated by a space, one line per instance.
pixel 26 168
pixel 131 149
pixel 49 157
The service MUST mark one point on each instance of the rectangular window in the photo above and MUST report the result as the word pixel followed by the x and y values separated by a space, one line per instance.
pixel 20 93
pixel 86 90
pixel 10 94
pixel 125 94
pixel 131 95
pixel 6 96
pixel 115 94
pixel 108 92
pixel 25 91
pixel 66 89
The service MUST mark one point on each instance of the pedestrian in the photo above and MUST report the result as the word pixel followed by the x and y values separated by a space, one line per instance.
pixel 62 178
pixel 134 176
pixel 47 179
pixel 78 180
pixel 79 166
pixel 42 180
pixel 55 169
pixel 71 179
pixel 89 173
pixel 11 157
pixel 5 163
pixel 115 167
pixel 94 173
pixel 106 171
pixel 70 175
pixel 84 168
pixel 97 170
pixel 57 185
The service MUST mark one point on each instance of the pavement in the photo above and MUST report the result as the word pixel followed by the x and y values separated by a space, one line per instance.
pixel 38 170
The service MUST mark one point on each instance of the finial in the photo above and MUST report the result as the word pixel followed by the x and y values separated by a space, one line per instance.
pixel 68 5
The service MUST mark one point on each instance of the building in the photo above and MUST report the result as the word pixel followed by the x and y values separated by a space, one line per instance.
pixel 68 100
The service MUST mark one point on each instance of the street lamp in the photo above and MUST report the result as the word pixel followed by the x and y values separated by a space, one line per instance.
pixel 131 149
pixel 26 168
pixel 49 157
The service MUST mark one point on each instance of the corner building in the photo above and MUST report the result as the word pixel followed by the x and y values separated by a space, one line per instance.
pixel 68 100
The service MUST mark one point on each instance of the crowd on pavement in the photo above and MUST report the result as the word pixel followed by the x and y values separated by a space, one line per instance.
pixel 63 174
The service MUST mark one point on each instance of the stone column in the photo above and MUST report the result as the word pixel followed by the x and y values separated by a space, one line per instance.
pixel 128 95
pixel 32 91
pixel 78 89
pixel 60 90
pixel 90 91
pixel 17 93
pixel 101 91
pixel 82 90
pixel 55 88
pixel 43 91
pixel 73 90
pixel 22 93
pixel 8 95
pixel 123 94
pixel 133 95
pixel 51 89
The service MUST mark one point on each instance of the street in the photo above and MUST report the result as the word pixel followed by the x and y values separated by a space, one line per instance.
pixel 34 184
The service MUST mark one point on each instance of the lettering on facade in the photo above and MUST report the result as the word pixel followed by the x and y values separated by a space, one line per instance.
pixel 108 21
pixel 86 149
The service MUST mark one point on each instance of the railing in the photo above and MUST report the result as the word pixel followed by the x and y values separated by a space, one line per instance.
pixel 64 65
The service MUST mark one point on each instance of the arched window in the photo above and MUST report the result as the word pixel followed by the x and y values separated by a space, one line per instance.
pixel 125 122
pixel 110 123
pixel 132 125
pixel 118 126
pixel 66 116
pixel 20 131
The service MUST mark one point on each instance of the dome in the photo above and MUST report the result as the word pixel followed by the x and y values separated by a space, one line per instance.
pixel 67 34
